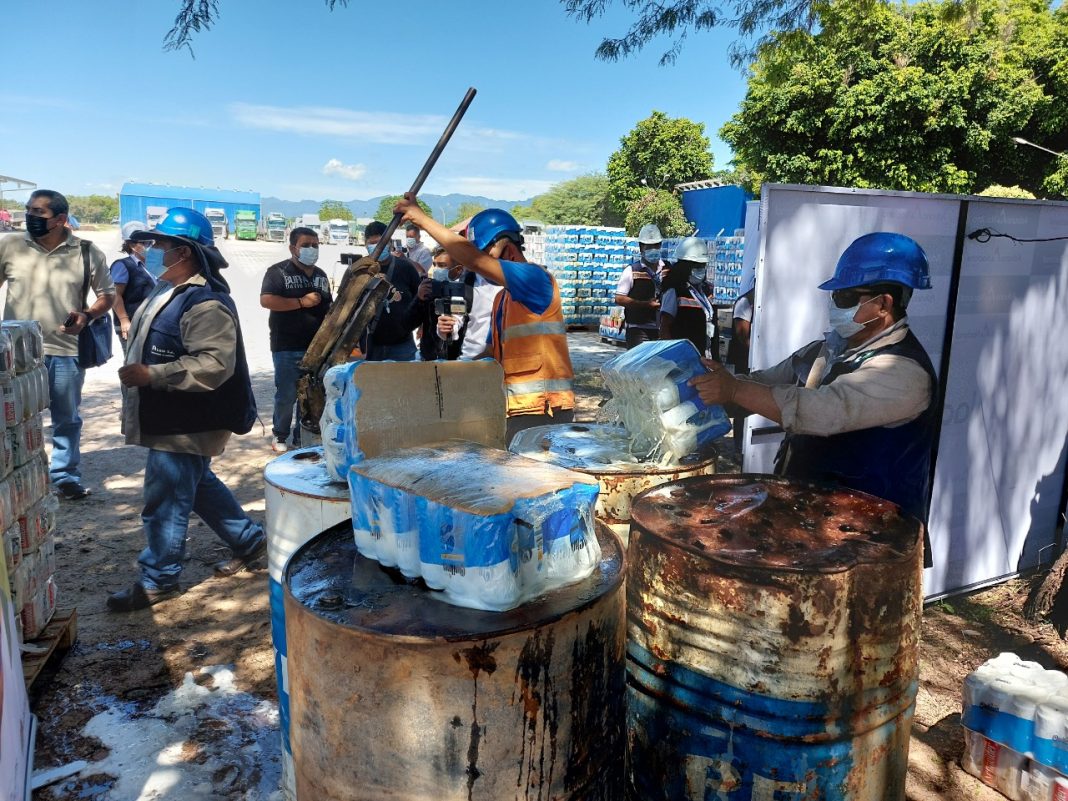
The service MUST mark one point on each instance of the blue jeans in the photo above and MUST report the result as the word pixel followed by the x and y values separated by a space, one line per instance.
pixel 65 379
pixel 401 352
pixel 175 485
pixel 286 373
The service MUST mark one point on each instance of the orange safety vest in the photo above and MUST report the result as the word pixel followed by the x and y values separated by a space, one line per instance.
pixel 532 349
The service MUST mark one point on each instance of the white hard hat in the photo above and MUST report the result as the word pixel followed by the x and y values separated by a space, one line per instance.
pixel 692 249
pixel 650 235
pixel 132 228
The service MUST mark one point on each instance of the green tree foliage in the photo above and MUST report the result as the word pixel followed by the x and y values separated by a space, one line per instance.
pixel 94 208
pixel 385 208
pixel 580 201
pixel 920 97
pixel 467 209
pixel 335 210
pixel 997 190
pixel 661 207
pixel 658 153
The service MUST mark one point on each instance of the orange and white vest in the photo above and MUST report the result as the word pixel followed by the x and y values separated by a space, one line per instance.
pixel 532 349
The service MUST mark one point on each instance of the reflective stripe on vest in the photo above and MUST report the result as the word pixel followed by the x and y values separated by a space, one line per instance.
pixel 533 329
pixel 539 386
pixel 690 303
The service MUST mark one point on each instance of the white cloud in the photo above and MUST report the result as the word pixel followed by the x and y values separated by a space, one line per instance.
pixel 351 172
pixel 559 165
pixel 500 188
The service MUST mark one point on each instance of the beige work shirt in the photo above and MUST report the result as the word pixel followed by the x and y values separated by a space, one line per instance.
pixel 209 334
pixel 46 285
pixel 885 390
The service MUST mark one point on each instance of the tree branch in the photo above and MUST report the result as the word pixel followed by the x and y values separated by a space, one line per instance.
pixel 195 16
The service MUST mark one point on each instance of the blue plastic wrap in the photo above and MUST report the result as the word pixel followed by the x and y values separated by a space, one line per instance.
pixel 337 426
pixel 663 414
pixel 488 528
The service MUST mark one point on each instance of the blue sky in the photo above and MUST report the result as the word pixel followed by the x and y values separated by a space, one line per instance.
pixel 291 100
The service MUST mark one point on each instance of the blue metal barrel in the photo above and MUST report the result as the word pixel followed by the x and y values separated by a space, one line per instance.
pixel 772 632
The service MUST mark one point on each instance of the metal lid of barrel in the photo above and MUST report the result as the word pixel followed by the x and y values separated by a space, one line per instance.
pixel 396 694
pixel 604 451
pixel 772 641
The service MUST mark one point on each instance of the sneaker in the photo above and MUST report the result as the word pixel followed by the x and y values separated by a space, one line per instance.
pixel 72 491
pixel 279 445
pixel 139 597
pixel 238 563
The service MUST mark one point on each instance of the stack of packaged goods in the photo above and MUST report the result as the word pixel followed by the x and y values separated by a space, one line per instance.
pixel 339 438
pixel 587 262
pixel 488 528
pixel 653 399
pixel 1015 715
pixel 27 507
pixel 725 267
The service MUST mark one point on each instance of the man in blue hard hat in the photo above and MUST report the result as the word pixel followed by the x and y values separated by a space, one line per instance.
pixel 858 406
pixel 188 390
pixel 527 331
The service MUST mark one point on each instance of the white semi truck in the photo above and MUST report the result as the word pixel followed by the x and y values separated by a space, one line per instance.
pixel 220 226
pixel 153 215
pixel 275 227
pixel 337 232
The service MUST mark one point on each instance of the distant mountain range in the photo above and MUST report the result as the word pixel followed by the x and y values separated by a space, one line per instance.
pixel 443 206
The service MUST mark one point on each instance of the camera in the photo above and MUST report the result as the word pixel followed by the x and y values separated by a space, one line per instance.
pixel 451 297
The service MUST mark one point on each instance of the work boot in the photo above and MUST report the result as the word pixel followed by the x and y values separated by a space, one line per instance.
pixel 238 563
pixel 139 597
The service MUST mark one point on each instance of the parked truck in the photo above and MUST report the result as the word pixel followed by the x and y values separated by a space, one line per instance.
pixel 220 226
pixel 245 224
pixel 309 221
pixel 337 232
pixel 274 227
pixel 153 215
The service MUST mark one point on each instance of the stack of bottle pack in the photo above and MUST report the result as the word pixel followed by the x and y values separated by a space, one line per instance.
pixel 488 528
pixel 27 507
pixel 1015 715
pixel 724 264
pixel 587 262
pixel 339 438
pixel 652 396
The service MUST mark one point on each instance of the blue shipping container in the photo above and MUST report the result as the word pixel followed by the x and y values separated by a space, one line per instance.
pixel 135 198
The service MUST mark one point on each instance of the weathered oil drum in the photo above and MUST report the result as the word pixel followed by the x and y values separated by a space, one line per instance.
pixel 301 502
pixel 395 694
pixel 772 632
pixel 594 449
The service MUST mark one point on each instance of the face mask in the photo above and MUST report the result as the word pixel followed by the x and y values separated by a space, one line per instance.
pixel 440 274
pixel 36 225
pixel 651 256
pixel 383 257
pixel 697 276
pixel 410 243
pixel 154 261
pixel 308 256
pixel 842 319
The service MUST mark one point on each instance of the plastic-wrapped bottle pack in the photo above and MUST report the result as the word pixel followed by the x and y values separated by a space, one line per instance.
pixel 660 410
pixel 339 439
pixel 1015 715
pixel 488 528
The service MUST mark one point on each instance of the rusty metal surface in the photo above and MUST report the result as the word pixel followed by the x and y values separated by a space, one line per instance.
pixel 395 695
pixel 567 445
pixel 772 641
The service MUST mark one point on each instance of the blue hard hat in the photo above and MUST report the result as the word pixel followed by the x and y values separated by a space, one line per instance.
pixel 881 258
pixel 487 226
pixel 183 223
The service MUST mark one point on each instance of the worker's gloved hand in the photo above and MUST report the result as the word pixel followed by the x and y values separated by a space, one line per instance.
pixel 367 265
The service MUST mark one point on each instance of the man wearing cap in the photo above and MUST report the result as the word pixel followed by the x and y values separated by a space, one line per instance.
pixel 133 283
pixel 527 332
pixel 188 389
pixel 45 273
pixel 858 406
pixel 638 291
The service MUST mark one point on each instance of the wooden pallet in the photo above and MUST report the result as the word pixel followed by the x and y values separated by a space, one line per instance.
pixel 58 636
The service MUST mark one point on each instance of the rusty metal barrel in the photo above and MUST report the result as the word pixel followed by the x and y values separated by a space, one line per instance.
pixel 396 694
pixel 603 451
pixel 772 635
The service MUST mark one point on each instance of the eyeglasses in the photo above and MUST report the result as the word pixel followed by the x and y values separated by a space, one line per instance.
pixel 848 298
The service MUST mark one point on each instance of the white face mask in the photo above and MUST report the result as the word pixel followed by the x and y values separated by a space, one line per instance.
pixel 440 274
pixel 842 319
pixel 410 243
pixel 308 256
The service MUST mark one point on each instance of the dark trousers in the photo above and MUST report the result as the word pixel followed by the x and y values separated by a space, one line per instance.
pixel 636 336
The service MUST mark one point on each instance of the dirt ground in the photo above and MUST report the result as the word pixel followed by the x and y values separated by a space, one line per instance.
pixel 123 665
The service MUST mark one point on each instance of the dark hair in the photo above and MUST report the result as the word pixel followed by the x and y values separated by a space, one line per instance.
pixel 297 233
pixel 375 228
pixel 437 251
pixel 57 203
pixel 678 275
pixel 411 227
pixel 900 294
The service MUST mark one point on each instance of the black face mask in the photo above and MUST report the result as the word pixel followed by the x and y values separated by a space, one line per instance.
pixel 36 225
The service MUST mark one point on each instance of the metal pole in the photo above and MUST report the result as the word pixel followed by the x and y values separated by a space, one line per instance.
pixel 417 184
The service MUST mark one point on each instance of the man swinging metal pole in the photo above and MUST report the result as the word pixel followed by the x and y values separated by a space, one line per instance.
pixel 360 299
